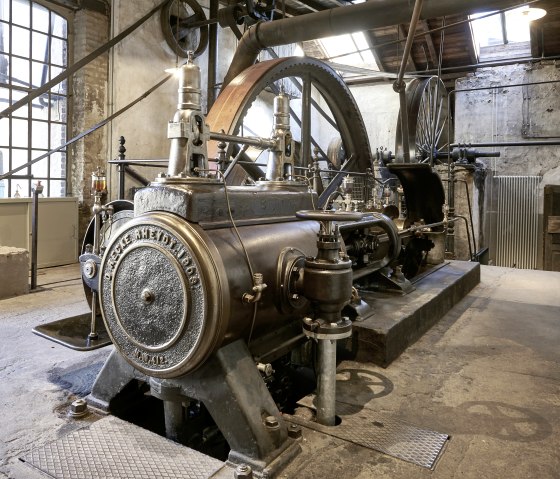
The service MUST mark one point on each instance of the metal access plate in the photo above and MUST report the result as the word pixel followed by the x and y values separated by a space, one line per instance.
pixel 113 448
pixel 382 433
pixel 73 332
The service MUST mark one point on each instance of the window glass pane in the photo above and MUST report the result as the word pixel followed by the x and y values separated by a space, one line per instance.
pixel 58 135
pixel 4 160
pixel 40 18
pixel 58 108
pixel 21 112
pixel 19 133
pixel 4 130
pixel 20 73
pixel 58 165
pixel 4 68
pixel 40 74
pixel 62 86
pixel 39 47
pixel 3 169
pixel 20 42
pixel 517 26
pixel 38 110
pixel 4 10
pixel 41 168
pixel 57 189
pixel 22 188
pixel 20 14
pixel 40 134
pixel 487 31
pixel 19 157
pixel 58 25
pixel 4 38
pixel 58 51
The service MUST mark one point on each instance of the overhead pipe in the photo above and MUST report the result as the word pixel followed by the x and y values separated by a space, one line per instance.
pixel 341 20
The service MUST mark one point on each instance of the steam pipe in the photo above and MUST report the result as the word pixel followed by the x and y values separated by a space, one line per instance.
pixel 337 21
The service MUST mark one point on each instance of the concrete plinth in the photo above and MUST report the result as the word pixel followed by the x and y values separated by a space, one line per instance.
pixel 14 271
pixel 399 321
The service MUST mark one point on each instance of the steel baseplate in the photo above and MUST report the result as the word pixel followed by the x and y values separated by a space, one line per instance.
pixel 112 447
pixel 73 332
pixel 380 432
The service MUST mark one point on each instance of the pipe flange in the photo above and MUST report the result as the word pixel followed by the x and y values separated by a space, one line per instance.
pixel 320 329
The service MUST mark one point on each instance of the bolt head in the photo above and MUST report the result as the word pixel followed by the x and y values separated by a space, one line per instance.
pixel 271 422
pixel 90 269
pixel 148 296
pixel 78 408
pixel 294 431
pixel 243 471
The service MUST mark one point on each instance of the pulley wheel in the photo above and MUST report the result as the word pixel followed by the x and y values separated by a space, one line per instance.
pixel 180 24
pixel 428 122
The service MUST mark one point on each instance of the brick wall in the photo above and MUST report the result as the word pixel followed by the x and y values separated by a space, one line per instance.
pixel 89 93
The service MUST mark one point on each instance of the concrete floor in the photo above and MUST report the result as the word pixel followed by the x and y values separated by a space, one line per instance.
pixel 488 374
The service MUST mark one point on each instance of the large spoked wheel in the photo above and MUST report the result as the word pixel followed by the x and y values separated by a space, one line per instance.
pixel 428 122
pixel 322 107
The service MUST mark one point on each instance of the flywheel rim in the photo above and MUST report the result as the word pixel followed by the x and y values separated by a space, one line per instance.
pixel 235 100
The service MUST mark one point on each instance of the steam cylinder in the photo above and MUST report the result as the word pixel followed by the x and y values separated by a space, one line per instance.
pixel 171 292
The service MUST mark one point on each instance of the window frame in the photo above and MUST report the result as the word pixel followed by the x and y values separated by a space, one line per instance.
pixel 56 185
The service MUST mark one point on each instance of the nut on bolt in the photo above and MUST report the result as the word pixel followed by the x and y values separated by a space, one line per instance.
pixel 271 422
pixel 243 471
pixel 294 431
pixel 78 408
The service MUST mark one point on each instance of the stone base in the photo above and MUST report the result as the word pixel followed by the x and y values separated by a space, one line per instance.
pixel 398 321
pixel 14 271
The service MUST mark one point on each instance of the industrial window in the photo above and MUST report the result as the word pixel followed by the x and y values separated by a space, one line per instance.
pixel 503 35
pixel 33 50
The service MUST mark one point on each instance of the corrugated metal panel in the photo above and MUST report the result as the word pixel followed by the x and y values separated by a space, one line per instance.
pixel 517 221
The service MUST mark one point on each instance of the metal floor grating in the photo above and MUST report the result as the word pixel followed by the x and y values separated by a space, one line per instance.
pixel 113 448
pixel 381 433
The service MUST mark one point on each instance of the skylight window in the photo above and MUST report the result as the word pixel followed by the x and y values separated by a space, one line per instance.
pixel 351 49
pixel 501 28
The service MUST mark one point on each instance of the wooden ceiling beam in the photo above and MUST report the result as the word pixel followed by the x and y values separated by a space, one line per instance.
pixel 433 60
pixel 401 33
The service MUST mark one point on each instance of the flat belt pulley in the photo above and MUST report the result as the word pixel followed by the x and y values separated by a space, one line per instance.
pixel 161 296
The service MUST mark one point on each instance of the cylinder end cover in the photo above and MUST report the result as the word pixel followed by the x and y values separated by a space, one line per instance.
pixel 159 296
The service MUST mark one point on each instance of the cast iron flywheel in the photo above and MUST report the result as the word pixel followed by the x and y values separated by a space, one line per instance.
pixel 308 74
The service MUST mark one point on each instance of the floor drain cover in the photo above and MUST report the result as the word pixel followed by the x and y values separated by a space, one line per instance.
pixel 381 433
pixel 111 447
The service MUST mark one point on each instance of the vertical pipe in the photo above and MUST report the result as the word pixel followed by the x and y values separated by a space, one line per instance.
pixel 173 412
pixel 34 234
pixel 121 167
pixel 93 325
pixel 326 382
pixel 305 122
pixel 212 55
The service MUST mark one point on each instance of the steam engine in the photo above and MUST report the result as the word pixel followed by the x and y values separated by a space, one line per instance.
pixel 209 286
